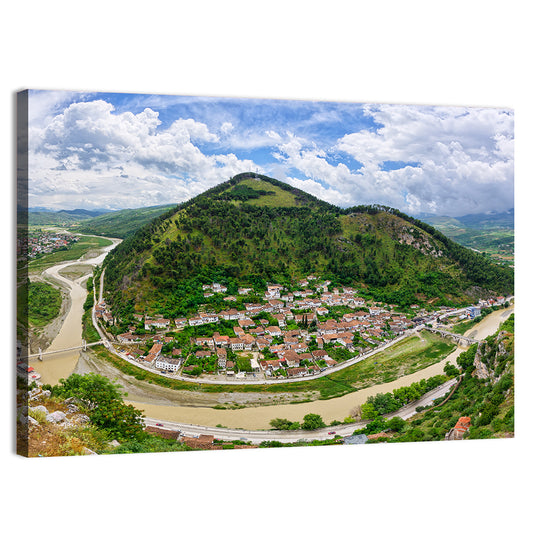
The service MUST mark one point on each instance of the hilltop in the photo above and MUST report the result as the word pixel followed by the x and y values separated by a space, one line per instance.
pixel 253 230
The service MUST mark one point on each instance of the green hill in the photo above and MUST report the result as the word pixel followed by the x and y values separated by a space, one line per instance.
pixel 54 218
pixel 253 230
pixel 121 223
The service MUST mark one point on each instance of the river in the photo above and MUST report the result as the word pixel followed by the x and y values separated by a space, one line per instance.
pixel 62 365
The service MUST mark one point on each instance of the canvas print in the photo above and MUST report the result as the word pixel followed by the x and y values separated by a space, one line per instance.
pixel 207 273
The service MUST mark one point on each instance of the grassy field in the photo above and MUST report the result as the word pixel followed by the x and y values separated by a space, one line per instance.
pixel 43 303
pixel 77 250
pixel 463 326
pixel 280 198
pixel 405 357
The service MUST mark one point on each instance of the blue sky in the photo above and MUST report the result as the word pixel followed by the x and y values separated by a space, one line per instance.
pixel 107 150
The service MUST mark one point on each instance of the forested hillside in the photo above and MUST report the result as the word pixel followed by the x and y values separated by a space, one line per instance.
pixel 121 223
pixel 254 230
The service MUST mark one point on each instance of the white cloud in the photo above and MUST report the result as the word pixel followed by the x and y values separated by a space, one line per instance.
pixel 226 128
pixel 448 160
pixel 452 160
pixel 310 186
pixel 89 152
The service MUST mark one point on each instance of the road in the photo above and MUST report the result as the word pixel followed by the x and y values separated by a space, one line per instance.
pixel 254 381
pixel 258 436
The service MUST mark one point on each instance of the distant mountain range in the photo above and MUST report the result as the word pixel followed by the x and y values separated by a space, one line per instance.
pixel 104 222
pixel 482 221
pixel 38 216
pixel 490 233
pixel 85 213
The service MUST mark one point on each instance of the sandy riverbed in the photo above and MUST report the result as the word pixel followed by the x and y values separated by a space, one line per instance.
pixel 259 417
pixel 489 324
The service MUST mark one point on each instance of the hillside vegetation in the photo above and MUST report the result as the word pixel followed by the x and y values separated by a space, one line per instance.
pixel 120 224
pixel 253 230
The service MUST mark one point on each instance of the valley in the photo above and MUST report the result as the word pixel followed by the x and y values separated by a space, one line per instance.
pixel 256 301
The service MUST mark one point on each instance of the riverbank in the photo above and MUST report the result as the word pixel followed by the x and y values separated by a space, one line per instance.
pixel 260 417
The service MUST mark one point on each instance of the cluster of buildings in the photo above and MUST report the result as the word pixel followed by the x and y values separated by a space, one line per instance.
pixel 475 310
pixel 44 242
pixel 295 341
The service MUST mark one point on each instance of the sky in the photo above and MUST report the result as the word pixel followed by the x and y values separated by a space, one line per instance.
pixel 117 151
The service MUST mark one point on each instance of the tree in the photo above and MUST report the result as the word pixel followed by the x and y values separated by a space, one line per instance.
pixel 368 412
pixel 313 421
pixel 120 420
pixel 466 359
pixel 451 370
pixel 280 423
pixel 396 423
pixel 104 401
pixel 92 389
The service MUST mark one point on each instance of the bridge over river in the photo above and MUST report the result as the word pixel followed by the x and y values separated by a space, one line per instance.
pixel 460 339
pixel 83 347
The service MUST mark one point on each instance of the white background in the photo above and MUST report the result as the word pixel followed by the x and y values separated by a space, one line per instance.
pixel 461 53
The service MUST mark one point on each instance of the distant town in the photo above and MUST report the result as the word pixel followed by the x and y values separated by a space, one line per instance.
pixel 39 243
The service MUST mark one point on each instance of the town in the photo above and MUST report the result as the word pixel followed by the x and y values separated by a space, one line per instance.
pixel 39 243
pixel 285 335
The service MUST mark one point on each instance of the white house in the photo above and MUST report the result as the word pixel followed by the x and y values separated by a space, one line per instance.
pixel 168 363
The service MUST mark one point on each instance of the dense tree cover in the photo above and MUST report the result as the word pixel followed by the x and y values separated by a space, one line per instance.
pixel 105 404
pixel 383 403
pixel 478 269
pixel 44 302
pixel 216 238
pixel 243 193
